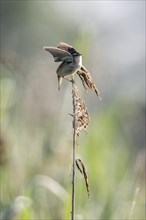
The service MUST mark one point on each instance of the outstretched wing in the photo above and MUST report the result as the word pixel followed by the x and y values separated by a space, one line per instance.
pixel 64 46
pixel 59 55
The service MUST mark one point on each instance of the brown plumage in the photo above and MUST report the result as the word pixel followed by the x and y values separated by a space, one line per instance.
pixel 63 46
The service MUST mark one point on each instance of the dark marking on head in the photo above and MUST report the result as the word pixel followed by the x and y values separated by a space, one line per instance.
pixel 73 52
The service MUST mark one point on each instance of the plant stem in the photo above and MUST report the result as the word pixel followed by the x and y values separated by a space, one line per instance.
pixel 74 151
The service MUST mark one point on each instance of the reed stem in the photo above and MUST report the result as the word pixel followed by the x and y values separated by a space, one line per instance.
pixel 74 150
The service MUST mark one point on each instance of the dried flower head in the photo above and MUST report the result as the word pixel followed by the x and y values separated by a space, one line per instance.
pixel 82 115
pixel 86 78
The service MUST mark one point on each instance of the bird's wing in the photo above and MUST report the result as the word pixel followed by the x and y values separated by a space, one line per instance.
pixel 59 54
pixel 64 46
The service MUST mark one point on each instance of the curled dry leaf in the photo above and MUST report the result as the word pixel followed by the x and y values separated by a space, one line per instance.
pixel 80 165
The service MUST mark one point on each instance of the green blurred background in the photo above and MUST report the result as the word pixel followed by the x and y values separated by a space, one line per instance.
pixel 36 130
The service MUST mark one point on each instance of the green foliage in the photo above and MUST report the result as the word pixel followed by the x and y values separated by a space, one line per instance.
pixel 105 152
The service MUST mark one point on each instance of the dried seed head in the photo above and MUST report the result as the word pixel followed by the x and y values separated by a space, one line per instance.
pixel 86 78
pixel 82 115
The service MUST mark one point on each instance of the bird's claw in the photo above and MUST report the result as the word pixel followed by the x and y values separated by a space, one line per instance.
pixel 72 80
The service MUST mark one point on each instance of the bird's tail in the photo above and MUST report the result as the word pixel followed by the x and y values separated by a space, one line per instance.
pixel 59 82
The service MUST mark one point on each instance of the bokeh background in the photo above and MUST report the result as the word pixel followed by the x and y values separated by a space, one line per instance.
pixel 36 129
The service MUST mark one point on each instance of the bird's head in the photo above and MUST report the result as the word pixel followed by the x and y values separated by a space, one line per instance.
pixel 73 52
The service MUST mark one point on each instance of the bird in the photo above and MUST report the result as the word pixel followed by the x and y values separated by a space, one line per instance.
pixel 71 64
pixel 70 58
